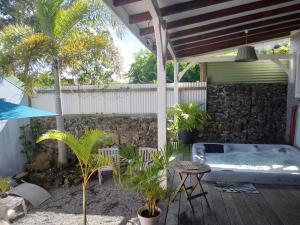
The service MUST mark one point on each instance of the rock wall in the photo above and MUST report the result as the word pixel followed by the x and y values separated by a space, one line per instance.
pixel 136 130
pixel 246 113
pixel 241 113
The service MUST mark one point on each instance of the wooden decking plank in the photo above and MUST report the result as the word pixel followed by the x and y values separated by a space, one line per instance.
pixel 185 212
pixel 267 210
pixel 255 209
pixel 198 218
pixel 232 210
pixel 293 192
pixel 217 204
pixel 173 209
pixel 292 200
pixel 280 204
pixel 243 210
pixel 209 214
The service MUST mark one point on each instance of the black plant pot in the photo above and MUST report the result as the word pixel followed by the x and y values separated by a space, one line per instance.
pixel 187 137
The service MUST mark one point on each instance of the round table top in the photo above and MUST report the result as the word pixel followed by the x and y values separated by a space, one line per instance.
pixel 191 167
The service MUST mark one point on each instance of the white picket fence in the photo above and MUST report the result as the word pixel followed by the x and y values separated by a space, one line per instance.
pixel 117 99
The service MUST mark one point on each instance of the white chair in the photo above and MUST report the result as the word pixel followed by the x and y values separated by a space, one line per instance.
pixel 145 153
pixel 113 154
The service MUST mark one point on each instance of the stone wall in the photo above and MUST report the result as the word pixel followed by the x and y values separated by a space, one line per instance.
pixel 135 130
pixel 246 113
pixel 241 113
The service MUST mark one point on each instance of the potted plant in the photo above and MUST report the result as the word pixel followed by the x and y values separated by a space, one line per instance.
pixel 147 178
pixel 186 121
pixel 4 185
pixel 85 149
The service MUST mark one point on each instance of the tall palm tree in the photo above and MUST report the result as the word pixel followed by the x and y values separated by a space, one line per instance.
pixel 65 31
pixel 84 149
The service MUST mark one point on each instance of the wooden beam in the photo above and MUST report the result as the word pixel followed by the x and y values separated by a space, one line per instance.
pixel 207 59
pixel 181 73
pixel 176 8
pixel 226 44
pixel 290 26
pixel 140 17
pixel 234 21
pixel 146 30
pixel 237 29
pixel 282 66
pixel 171 51
pixel 123 2
pixel 190 5
pixel 225 23
pixel 223 13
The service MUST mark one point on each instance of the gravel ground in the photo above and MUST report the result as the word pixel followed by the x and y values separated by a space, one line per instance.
pixel 106 204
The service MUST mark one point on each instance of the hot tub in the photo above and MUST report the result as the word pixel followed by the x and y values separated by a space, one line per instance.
pixel 256 163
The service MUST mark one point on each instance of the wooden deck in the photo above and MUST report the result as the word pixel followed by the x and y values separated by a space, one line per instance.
pixel 274 205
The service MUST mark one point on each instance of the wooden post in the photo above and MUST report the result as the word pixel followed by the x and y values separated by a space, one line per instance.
pixel 293 90
pixel 203 72
pixel 176 89
pixel 161 50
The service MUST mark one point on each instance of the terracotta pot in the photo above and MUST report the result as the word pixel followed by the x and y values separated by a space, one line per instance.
pixel 148 220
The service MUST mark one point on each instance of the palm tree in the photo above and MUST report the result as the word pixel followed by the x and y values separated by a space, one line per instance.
pixel 65 31
pixel 85 150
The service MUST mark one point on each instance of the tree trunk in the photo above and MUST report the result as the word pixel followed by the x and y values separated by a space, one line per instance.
pixel 62 155
pixel 84 203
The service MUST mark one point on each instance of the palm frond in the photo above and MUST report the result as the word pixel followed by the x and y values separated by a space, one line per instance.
pixel 82 44
pixel 11 35
pixel 89 140
pixel 67 138
pixel 46 13
pixel 67 18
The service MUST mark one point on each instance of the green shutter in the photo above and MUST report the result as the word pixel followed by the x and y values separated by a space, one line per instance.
pixel 264 71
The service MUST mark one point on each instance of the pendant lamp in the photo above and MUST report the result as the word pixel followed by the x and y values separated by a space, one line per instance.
pixel 246 53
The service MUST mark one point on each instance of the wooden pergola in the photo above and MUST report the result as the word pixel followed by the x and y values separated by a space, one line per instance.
pixel 184 30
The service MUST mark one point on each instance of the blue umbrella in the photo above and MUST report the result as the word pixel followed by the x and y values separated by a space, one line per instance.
pixel 10 111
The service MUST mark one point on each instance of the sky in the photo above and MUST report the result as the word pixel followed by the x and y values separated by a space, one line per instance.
pixel 128 45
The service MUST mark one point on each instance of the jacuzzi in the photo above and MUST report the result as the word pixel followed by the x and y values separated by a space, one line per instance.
pixel 255 163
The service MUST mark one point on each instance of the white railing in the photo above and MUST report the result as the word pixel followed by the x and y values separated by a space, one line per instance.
pixel 119 99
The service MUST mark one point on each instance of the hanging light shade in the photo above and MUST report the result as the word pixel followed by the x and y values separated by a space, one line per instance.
pixel 246 53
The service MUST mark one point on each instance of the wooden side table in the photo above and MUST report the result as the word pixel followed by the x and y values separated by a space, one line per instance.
pixel 187 169
pixel 14 203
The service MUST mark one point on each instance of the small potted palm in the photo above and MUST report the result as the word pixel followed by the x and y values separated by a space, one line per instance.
pixel 186 121
pixel 148 178
pixel 4 185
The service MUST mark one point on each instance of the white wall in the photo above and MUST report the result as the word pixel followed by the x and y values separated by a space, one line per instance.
pixel 119 99
pixel 11 158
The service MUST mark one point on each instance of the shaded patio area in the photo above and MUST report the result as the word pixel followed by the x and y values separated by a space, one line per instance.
pixel 274 205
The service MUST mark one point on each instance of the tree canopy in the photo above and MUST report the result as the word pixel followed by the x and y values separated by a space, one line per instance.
pixel 16 12
pixel 77 33
pixel 143 69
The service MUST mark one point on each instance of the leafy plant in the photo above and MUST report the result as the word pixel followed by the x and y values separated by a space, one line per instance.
pixel 4 184
pixel 28 136
pixel 186 117
pixel 147 179
pixel 83 148
pixel 128 152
